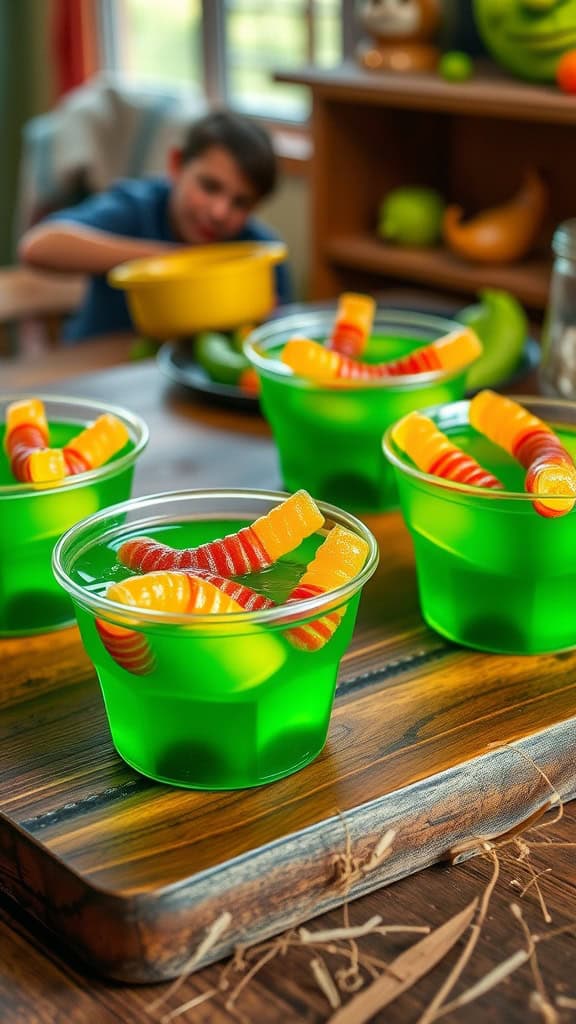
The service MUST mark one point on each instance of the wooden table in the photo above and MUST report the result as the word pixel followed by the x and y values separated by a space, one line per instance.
pixel 203 446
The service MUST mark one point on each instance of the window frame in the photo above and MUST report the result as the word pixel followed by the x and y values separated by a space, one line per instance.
pixel 214 79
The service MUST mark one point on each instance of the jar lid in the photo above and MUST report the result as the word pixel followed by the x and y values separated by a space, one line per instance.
pixel 564 239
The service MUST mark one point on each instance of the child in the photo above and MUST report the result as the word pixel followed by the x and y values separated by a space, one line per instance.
pixel 225 167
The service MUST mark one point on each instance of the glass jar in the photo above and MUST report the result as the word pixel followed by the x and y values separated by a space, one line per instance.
pixel 558 367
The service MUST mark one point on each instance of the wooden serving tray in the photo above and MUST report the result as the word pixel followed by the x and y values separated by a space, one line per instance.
pixel 130 873
pixel 443 745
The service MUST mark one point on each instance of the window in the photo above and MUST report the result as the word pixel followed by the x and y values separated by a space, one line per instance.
pixel 227 50
pixel 153 47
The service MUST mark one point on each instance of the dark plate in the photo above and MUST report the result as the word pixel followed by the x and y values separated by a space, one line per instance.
pixel 529 360
pixel 178 364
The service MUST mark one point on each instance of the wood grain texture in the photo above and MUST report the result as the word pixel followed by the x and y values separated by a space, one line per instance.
pixel 40 982
pixel 490 92
pixel 129 873
pixel 438 267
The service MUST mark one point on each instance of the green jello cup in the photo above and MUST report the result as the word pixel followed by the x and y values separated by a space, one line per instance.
pixel 213 701
pixel 329 437
pixel 492 573
pixel 33 516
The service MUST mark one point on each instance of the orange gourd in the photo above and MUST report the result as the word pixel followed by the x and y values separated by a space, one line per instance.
pixel 500 234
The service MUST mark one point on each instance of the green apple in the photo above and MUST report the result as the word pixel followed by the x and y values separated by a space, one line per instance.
pixel 411 215
pixel 501 324
pixel 527 37
pixel 455 66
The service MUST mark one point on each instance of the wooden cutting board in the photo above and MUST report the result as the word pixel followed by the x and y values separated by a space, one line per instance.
pixel 131 873
pixel 442 746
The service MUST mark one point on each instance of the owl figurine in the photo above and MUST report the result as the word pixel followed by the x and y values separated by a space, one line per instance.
pixel 401 31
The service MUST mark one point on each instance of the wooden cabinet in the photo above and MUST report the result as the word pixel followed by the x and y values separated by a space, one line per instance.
pixel 471 141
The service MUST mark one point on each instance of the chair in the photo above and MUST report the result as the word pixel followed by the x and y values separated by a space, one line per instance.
pixel 104 130
pixel 33 304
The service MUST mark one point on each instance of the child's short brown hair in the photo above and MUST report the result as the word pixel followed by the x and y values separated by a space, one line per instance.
pixel 245 140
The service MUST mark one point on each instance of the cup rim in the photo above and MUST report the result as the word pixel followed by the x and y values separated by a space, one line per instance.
pixel 197 265
pixel 109 469
pixel 265 336
pixel 280 614
pixel 532 402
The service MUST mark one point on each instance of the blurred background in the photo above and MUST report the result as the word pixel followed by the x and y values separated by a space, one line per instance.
pixel 167 64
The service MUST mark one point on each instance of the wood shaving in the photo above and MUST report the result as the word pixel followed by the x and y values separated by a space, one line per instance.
pixel 331 934
pixel 411 965
pixel 387 981
pixel 431 1012
pixel 190 1005
pixel 524 889
pixel 350 979
pixel 349 868
pixel 489 981
pixel 214 933
pixel 325 982
pixel 250 974
pixel 539 999
pixel 544 1008
pixel 534 883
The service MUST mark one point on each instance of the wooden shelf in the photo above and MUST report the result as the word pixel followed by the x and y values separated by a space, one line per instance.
pixel 490 93
pixel 438 267
pixel 470 141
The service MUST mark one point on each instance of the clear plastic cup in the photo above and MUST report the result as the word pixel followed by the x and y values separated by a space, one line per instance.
pixel 216 701
pixel 33 516
pixel 329 436
pixel 492 573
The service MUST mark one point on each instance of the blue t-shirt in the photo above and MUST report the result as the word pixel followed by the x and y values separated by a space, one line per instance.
pixel 137 209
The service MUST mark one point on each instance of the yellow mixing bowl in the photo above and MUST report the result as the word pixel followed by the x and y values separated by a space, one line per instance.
pixel 210 287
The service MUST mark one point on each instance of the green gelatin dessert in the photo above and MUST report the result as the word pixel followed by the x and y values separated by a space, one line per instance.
pixel 492 573
pixel 33 516
pixel 217 701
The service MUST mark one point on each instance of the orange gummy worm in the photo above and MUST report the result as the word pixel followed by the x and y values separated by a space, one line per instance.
pixel 309 359
pixel 177 592
pixel 551 473
pixel 32 461
pixel 434 453
pixel 248 550
pixel 353 323
pixel 26 440
pixel 337 561
pixel 96 444
pixel 159 591
pixel 127 647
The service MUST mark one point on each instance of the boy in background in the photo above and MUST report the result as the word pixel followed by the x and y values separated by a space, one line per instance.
pixel 224 169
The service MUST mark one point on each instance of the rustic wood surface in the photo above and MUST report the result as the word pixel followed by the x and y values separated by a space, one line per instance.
pixel 490 92
pixel 90 847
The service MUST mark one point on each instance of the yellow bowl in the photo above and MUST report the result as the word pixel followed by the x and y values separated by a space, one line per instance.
pixel 210 287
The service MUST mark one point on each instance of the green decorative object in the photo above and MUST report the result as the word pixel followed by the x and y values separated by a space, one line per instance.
pixel 143 348
pixel 411 215
pixel 220 358
pixel 501 324
pixel 455 66
pixel 527 37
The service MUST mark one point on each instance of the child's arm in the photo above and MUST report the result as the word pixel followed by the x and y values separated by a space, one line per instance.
pixel 67 246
